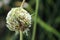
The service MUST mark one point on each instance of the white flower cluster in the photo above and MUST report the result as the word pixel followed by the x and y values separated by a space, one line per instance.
pixel 18 19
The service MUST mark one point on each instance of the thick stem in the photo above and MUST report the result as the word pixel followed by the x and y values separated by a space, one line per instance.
pixel 35 20
pixel 21 35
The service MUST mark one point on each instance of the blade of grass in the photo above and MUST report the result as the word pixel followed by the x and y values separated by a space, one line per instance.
pixel 45 26
pixel 35 20
pixel 48 27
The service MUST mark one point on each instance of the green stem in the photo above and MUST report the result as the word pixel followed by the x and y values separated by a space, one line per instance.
pixel 44 25
pixel 21 35
pixel 35 20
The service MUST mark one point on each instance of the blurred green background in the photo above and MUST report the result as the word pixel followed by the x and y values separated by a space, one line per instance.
pixel 48 20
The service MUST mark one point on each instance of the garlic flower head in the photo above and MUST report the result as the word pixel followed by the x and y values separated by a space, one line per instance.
pixel 18 19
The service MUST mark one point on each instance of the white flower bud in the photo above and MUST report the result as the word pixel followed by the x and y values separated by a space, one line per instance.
pixel 18 19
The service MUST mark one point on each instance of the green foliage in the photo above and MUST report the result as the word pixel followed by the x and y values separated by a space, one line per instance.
pixel 45 20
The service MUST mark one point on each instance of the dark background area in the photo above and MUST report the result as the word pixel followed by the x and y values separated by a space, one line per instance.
pixel 49 13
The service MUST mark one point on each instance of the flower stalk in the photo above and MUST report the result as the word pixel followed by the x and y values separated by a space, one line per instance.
pixel 21 32
pixel 21 35
pixel 22 3
pixel 35 20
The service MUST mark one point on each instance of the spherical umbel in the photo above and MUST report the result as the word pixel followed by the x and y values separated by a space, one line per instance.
pixel 18 19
